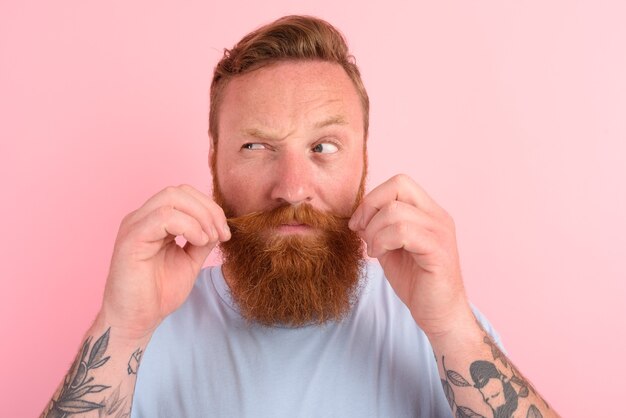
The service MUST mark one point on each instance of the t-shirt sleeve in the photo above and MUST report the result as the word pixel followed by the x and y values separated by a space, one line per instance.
pixel 488 328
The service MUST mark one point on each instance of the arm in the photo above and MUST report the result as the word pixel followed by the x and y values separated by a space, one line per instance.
pixel 150 277
pixel 479 380
pixel 414 239
pixel 101 381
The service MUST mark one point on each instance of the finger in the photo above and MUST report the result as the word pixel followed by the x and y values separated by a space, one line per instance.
pixel 402 235
pixel 397 212
pixel 399 188
pixel 174 197
pixel 167 222
pixel 217 213
pixel 183 201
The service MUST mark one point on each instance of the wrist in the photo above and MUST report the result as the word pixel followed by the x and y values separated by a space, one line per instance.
pixel 124 333
pixel 460 330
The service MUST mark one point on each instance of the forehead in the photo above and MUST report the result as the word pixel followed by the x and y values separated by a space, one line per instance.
pixel 296 91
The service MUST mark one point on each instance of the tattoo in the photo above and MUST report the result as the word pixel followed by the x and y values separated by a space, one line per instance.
pixel 516 378
pixel 114 406
pixel 533 412
pixel 457 380
pixel 77 383
pixel 496 388
pixel 133 363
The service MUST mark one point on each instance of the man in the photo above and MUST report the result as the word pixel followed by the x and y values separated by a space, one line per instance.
pixel 295 322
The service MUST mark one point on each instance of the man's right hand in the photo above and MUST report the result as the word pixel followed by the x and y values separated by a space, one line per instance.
pixel 150 274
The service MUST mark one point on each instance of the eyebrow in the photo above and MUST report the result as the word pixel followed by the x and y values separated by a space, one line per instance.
pixel 333 120
pixel 261 134
pixel 258 133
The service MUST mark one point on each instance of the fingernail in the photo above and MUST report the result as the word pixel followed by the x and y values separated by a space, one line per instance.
pixel 205 237
pixel 226 230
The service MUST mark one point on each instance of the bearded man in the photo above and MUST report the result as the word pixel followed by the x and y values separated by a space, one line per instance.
pixel 296 322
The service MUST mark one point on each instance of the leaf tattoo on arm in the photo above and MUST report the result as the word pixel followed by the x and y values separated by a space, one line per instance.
pixel 455 378
pixel 77 383
pixel 114 406
pixel 533 412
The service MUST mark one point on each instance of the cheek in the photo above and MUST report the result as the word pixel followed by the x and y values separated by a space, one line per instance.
pixel 241 190
pixel 341 187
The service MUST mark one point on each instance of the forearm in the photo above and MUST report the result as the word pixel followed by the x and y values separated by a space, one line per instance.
pixel 149 278
pixel 479 380
pixel 101 381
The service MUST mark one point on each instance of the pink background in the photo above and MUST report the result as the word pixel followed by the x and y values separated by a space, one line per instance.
pixel 511 114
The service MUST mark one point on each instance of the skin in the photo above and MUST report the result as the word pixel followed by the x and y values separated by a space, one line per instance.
pixel 287 132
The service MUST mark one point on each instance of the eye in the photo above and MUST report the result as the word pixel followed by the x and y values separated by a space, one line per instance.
pixel 325 148
pixel 253 146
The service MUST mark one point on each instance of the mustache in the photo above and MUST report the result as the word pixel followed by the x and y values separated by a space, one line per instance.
pixel 303 214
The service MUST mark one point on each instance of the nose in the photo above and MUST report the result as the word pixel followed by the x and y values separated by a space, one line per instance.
pixel 293 179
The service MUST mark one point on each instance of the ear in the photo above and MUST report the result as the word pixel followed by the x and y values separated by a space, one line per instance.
pixel 212 154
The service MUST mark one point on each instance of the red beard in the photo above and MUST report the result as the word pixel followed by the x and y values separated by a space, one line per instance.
pixel 294 279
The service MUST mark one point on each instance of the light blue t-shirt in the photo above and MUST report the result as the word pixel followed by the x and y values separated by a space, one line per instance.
pixel 205 360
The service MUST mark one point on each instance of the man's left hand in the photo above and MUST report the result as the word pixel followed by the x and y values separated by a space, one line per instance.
pixel 414 240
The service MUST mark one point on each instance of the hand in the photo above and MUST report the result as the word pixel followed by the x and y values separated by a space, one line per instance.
pixel 414 240
pixel 150 274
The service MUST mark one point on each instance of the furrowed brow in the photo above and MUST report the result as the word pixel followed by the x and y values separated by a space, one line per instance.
pixel 266 136
pixel 333 120
pixel 260 134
